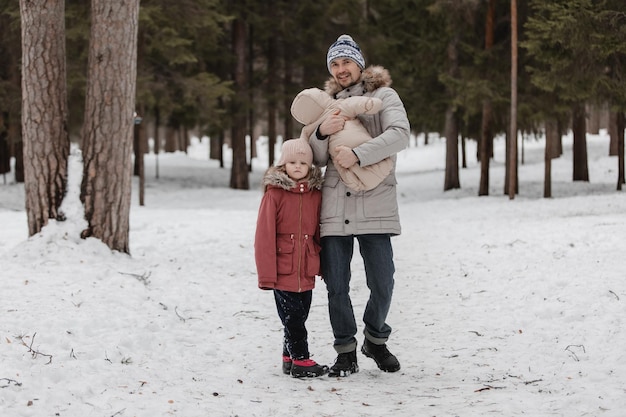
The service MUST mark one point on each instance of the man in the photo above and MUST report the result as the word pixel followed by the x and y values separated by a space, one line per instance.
pixel 369 216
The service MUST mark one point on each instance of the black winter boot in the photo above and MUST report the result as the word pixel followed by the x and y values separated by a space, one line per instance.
pixel 302 368
pixel 385 360
pixel 345 364
pixel 286 365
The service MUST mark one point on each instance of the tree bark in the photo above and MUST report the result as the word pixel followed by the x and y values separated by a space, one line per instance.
pixel 486 133
pixel 44 110
pixel 621 124
pixel 580 168
pixel 272 109
pixel 550 152
pixel 109 120
pixel 513 121
pixel 451 179
pixel 613 134
pixel 239 170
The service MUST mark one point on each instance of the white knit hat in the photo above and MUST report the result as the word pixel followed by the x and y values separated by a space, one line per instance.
pixel 293 149
pixel 345 47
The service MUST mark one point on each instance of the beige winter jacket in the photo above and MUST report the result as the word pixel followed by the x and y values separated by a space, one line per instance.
pixel 312 106
pixel 346 212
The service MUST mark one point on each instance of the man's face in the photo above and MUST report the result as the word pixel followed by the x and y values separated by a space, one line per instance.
pixel 345 71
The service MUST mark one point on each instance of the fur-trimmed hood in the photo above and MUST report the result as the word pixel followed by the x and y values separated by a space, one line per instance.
pixel 372 77
pixel 277 177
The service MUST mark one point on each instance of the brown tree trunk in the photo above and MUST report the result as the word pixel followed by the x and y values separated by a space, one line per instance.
pixel 109 120
pixel 157 140
pixel 287 87
pixel 580 169
pixel 5 155
pixel 486 134
pixel 513 122
pixel 621 124
pixel 613 142
pixel 272 110
pixel 239 170
pixel 44 110
pixel 451 180
pixel 551 136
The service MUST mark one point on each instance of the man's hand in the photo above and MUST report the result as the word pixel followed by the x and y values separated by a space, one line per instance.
pixel 345 158
pixel 332 124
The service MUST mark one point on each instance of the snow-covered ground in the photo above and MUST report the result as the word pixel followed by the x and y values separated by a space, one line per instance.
pixel 502 307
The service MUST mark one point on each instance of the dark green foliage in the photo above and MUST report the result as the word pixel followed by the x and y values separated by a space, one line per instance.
pixel 571 51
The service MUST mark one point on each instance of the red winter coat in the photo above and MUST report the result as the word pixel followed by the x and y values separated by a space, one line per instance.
pixel 287 239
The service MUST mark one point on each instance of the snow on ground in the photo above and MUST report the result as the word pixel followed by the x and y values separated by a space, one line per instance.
pixel 502 307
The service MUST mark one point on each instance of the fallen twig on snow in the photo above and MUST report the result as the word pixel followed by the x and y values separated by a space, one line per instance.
pixel 573 353
pixel 143 278
pixel 34 353
pixel 9 381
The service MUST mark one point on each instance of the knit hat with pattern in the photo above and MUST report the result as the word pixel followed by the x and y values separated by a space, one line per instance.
pixel 345 47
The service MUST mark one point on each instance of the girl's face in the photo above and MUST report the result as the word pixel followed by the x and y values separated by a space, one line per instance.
pixel 297 169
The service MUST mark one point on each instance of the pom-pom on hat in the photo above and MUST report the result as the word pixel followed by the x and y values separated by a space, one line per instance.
pixel 345 47
pixel 295 149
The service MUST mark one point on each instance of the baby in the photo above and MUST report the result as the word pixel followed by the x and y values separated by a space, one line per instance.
pixel 312 106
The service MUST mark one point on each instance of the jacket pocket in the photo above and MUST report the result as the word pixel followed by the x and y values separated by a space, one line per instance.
pixel 285 246
pixel 380 202
pixel 330 197
pixel 312 258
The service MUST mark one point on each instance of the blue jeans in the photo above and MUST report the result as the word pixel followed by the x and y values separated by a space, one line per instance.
pixel 377 257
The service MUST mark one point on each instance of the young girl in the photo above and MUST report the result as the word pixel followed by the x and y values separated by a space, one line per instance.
pixel 286 248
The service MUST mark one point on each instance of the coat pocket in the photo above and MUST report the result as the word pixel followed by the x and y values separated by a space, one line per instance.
pixel 312 258
pixel 330 197
pixel 285 246
pixel 380 202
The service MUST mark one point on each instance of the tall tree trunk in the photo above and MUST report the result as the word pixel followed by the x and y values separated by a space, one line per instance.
pixel 580 168
pixel 287 88
pixel 621 124
pixel 451 180
pixel 44 110
pixel 550 152
pixel 486 134
pixel 157 140
pixel 239 170
pixel 613 134
pixel 272 110
pixel 251 122
pixel 109 120
pixel 513 122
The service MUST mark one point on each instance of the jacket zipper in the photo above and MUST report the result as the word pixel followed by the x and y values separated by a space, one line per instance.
pixel 300 243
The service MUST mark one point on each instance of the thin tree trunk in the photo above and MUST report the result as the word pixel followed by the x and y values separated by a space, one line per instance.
pixel 44 110
pixel 272 110
pixel 552 132
pixel 239 170
pixel 613 142
pixel 451 180
pixel 157 140
pixel 513 121
pixel 109 120
pixel 580 168
pixel 486 134
pixel 251 117
pixel 621 124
